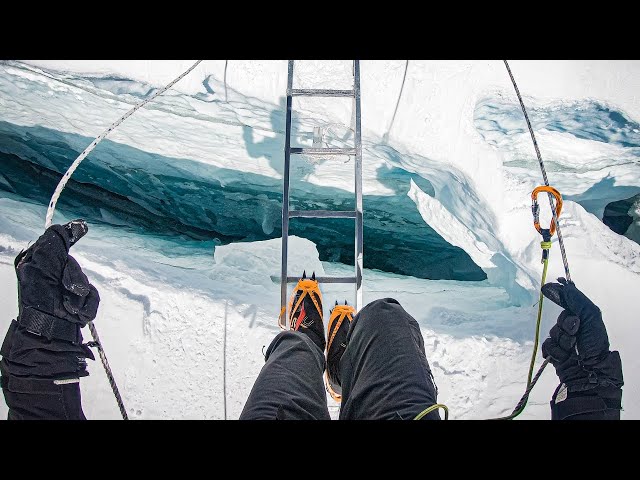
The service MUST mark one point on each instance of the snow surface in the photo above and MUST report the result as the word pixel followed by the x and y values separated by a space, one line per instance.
pixel 162 321
pixel 166 304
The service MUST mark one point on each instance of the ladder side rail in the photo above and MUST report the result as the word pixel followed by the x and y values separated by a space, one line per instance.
pixel 285 199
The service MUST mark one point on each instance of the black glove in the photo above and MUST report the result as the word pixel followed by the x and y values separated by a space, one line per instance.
pixel 55 299
pixel 578 347
pixel 51 281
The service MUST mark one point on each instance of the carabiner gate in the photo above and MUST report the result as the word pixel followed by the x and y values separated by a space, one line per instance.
pixel 535 209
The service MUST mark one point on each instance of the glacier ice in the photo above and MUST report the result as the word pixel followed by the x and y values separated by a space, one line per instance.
pixel 455 173
pixel 123 185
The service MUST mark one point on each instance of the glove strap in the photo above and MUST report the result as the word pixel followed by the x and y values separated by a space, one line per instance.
pixel 600 406
pixel 48 326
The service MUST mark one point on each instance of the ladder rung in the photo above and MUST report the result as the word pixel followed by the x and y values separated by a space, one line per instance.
pixel 316 92
pixel 326 279
pixel 322 151
pixel 322 214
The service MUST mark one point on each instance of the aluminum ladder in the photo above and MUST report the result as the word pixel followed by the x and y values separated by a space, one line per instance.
pixel 355 151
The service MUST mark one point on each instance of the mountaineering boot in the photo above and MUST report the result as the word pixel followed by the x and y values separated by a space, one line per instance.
pixel 306 310
pixel 339 323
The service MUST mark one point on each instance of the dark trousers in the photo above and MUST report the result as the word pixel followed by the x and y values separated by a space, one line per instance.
pixel 384 371
pixel 33 399
pixel 29 364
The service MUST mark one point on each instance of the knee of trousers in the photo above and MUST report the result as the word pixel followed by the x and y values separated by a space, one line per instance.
pixel 291 341
pixel 382 313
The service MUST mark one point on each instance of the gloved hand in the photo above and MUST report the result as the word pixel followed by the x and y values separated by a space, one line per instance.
pixel 50 281
pixel 578 347
pixel 55 299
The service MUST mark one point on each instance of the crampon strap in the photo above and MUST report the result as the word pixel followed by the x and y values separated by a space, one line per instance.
pixel 339 313
pixel 308 287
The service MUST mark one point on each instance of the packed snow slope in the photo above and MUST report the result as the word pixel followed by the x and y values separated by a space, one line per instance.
pixel 447 189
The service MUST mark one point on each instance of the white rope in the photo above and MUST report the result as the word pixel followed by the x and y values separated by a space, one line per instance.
pixel 544 174
pixel 99 138
pixel 226 98
pixel 52 209
pixel 385 137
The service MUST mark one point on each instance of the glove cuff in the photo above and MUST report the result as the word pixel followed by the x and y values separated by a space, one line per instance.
pixel 48 326
pixel 602 403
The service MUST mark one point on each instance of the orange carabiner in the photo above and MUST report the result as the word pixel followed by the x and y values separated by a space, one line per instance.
pixel 535 208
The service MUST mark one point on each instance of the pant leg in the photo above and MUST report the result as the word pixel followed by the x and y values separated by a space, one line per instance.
pixel 28 369
pixel 290 384
pixel 384 370
pixel 41 399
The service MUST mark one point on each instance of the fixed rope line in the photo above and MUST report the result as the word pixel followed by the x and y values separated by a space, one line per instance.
pixel 544 173
pixel 523 401
pixel 107 369
pixel 546 245
pixel 226 63
pixel 386 135
pixel 63 181
pixel 536 340
pixel 532 381
pixel 52 208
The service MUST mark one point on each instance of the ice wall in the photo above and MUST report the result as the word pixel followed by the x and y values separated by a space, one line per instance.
pixel 442 136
